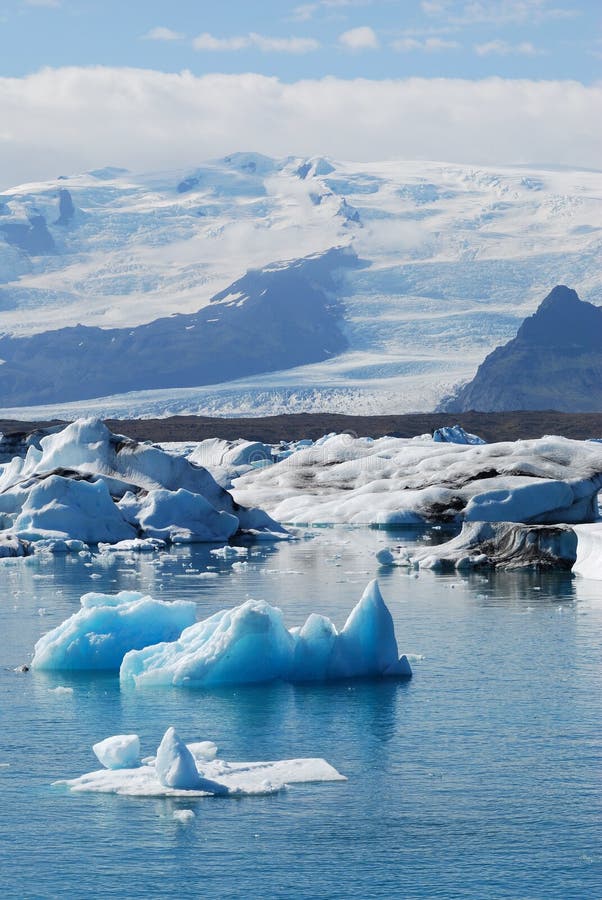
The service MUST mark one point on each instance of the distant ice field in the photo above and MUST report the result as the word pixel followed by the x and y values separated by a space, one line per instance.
pixel 456 256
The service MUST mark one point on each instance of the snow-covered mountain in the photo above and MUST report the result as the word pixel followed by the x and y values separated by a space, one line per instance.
pixel 454 257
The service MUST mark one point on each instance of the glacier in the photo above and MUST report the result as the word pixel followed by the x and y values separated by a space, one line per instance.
pixel 459 255
pixel 188 770
pixel 251 644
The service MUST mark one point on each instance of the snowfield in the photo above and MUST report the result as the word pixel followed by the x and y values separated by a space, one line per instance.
pixel 457 255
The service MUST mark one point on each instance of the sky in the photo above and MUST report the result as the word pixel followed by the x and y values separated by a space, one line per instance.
pixel 85 83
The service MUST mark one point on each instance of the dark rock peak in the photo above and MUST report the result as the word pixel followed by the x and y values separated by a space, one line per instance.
pixel 563 320
pixel 66 207
pixel 554 362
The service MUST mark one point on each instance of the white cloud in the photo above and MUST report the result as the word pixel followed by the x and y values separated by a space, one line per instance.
pixel 307 11
pixel 429 45
pixel 60 121
pixel 208 41
pixel 497 12
pixel 503 48
pixel 162 34
pixel 362 38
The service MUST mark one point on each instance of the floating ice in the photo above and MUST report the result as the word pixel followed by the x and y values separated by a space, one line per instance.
pixel 589 551
pixel 178 772
pixel 106 627
pixel 250 643
pixel 88 484
pixel 60 508
pixel 176 767
pixel 506 545
pixel 180 517
pixel 455 434
pixel 122 751
pixel 393 481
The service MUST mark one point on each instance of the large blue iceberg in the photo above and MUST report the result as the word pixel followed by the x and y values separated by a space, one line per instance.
pixel 251 643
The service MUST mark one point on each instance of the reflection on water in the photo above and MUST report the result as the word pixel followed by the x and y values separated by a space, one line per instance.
pixel 478 778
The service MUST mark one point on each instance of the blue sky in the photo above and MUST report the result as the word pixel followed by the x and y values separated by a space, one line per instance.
pixel 164 85
pixel 377 39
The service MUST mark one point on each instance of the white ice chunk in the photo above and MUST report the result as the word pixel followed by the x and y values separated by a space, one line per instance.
pixel 121 751
pixel 175 765
pixel 106 627
pixel 183 517
pixel 589 551
pixel 63 508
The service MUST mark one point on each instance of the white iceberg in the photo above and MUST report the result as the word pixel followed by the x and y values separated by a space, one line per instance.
pixel 251 643
pixel 86 483
pixel 397 481
pixel 179 517
pixel 121 751
pixel 177 771
pixel 61 507
pixel 106 627
pixel 589 551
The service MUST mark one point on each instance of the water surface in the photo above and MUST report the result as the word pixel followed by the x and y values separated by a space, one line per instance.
pixel 479 778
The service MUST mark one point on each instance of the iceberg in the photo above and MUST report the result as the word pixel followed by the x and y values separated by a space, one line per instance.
pixel 588 562
pixel 251 644
pixel 179 771
pixel 122 751
pixel 106 627
pixel 455 434
pixel 503 545
pixel 61 508
pixel 399 481
pixel 86 483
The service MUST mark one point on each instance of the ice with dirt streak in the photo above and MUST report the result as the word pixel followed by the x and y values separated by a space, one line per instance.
pixel 399 481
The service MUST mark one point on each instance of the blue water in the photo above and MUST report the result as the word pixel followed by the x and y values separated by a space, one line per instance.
pixel 480 778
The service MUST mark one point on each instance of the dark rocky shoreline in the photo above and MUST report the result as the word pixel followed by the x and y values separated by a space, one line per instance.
pixel 499 426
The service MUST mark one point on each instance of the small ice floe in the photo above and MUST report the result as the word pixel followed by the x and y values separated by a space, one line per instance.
pixel 61 689
pixel 397 556
pixel 229 552
pixel 181 770
pixel 134 545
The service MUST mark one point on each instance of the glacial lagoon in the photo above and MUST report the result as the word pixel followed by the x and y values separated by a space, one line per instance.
pixel 479 777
